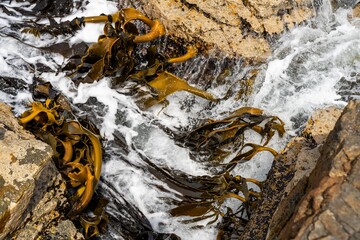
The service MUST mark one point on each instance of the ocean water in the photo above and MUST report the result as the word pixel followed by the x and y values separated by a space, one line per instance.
pixel 314 65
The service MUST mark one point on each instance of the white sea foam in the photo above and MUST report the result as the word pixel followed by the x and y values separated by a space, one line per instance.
pixel 303 72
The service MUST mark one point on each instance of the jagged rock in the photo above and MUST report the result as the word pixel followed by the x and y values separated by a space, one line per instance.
pixel 31 188
pixel 46 220
pixel 330 208
pixel 235 27
pixel 287 180
pixel 25 163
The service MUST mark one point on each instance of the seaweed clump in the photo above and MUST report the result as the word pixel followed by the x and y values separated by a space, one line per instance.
pixel 114 55
pixel 222 143
pixel 77 152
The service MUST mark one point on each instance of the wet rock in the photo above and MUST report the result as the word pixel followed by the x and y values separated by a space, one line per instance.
pixel 330 208
pixel 234 27
pixel 288 178
pixel 336 4
pixel 31 188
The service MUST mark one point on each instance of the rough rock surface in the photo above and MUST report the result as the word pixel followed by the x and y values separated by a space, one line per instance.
pixel 239 27
pixel 356 11
pixel 330 208
pixel 288 177
pixel 24 163
pixel 31 188
pixel 46 219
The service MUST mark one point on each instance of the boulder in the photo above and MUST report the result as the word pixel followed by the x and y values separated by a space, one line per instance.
pixel 235 27
pixel 289 176
pixel 31 188
pixel 330 207
pixel 24 164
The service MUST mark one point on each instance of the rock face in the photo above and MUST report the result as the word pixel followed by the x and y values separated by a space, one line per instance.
pixel 356 11
pixel 31 188
pixel 288 178
pixel 239 27
pixel 24 163
pixel 330 209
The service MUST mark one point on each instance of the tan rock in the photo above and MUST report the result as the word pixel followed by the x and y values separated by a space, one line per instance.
pixel 356 11
pixel 31 188
pixel 321 123
pixel 230 26
pixel 330 208
pixel 23 163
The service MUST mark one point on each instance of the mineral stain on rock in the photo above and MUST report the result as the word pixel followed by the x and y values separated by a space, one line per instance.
pixel 2 133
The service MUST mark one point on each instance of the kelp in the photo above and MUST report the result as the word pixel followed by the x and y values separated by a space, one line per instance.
pixel 95 220
pixel 203 197
pixel 211 193
pixel 166 83
pixel 218 138
pixel 190 53
pixel 111 54
pixel 114 55
pixel 76 145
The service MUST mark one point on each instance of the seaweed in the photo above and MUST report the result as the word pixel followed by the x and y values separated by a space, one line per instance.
pixel 113 55
pixel 218 138
pixel 76 145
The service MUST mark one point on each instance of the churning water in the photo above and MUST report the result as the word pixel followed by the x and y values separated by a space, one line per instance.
pixel 313 65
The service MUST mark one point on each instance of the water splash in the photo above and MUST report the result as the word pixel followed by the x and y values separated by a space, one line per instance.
pixel 309 67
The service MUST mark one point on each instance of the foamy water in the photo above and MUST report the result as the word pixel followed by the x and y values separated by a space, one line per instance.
pixel 310 67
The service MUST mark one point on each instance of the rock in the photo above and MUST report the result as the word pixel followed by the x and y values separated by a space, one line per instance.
pixel 25 163
pixel 47 218
pixel 336 4
pixel 288 178
pixel 330 208
pixel 64 229
pixel 321 123
pixel 356 11
pixel 31 188
pixel 236 27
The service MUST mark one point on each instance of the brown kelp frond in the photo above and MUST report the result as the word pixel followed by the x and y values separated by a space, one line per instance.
pixel 77 147
pixel 211 193
pixel 191 52
pixel 94 221
pixel 219 138
pixel 166 83
pixel 54 28
pixel 111 54
pixel 125 16
pixel 249 154
pixel 42 113
pixel 204 196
